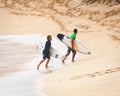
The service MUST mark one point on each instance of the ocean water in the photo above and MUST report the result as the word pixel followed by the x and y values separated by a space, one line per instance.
pixel 18 62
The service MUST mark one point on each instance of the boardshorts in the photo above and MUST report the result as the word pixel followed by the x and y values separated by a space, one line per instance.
pixel 46 54
pixel 70 49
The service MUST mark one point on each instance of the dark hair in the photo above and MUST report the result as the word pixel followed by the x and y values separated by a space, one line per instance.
pixel 48 37
pixel 75 30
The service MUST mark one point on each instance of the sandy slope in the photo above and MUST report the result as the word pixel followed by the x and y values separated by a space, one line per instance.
pixel 20 24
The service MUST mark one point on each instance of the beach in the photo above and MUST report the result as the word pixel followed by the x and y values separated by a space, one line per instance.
pixel 25 24
pixel 19 56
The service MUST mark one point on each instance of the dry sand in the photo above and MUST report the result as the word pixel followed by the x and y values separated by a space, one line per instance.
pixel 97 74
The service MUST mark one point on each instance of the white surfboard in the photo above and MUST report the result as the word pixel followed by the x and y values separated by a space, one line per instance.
pixel 53 51
pixel 78 46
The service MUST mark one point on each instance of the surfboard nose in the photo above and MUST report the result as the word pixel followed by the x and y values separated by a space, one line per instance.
pixel 60 36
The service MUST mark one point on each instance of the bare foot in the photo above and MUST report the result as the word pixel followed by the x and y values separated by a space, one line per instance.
pixel 37 67
pixel 73 60
pixel 46 67
pixel 63 62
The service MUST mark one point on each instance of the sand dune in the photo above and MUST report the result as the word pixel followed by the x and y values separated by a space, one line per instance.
pixel 103 13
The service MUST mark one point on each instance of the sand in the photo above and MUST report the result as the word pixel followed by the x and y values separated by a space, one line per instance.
pixel 91 75
pixel 97 74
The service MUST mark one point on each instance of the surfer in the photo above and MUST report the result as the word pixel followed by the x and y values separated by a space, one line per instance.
pixel 73 37
pixel 46 52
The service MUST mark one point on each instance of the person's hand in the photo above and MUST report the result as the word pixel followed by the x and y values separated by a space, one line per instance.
pixel 50 54
pixel 73 48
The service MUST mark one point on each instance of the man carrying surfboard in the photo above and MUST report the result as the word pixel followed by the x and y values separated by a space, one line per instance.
pixel 46 52
pixel 73 37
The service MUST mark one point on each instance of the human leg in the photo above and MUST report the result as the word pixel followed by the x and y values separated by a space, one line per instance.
pixel 44 58
pixel 65 57
pixel 68 52
pixel 47 62
pixel 40 63
pixel 74 53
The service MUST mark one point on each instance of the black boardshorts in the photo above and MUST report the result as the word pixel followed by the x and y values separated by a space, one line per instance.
pixel 46 54
pixel 70 49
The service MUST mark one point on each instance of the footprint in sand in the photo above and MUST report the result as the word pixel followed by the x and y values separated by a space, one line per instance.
pixel 96 73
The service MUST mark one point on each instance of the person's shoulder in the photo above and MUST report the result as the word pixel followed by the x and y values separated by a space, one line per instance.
pixel 48 41
pixel 72 34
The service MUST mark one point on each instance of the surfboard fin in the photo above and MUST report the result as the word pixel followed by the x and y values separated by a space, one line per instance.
pixel 89 52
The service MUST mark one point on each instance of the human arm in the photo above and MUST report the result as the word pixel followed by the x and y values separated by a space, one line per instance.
pixel 73 37
pixel 73 43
